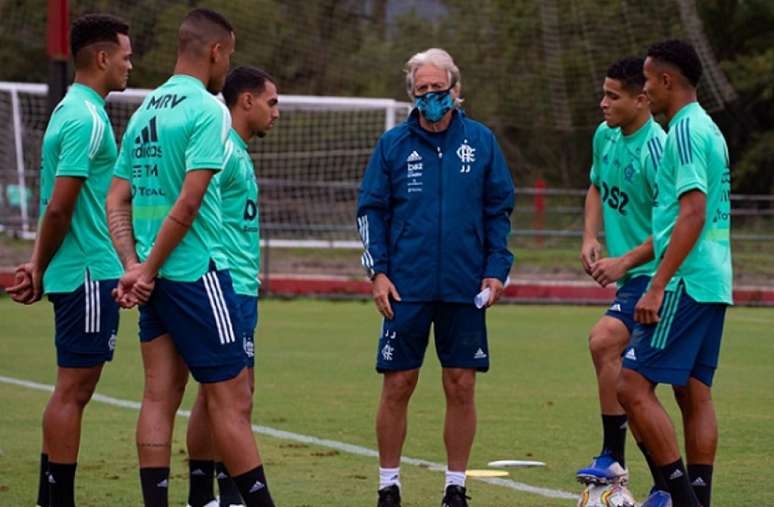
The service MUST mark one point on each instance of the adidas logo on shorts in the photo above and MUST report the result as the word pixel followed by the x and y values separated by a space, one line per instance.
pixel 615 308
pixel 480 354
pixel 630 355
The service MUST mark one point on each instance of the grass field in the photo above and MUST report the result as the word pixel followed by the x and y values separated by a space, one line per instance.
pixel 315 377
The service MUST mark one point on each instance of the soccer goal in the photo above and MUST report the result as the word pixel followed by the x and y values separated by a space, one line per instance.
pixel 308 166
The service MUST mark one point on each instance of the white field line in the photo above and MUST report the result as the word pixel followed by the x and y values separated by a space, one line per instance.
pixel 322 442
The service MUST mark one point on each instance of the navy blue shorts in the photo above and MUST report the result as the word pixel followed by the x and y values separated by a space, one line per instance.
pixel 202 317
pixel 460 336
pixel 248 320
pixel 626 299
pixel 86 322
pixel 684 343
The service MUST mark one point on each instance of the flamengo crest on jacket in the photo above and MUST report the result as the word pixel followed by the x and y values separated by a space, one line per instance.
pixel 434 210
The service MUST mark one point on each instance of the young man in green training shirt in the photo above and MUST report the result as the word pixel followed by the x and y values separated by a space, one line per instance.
pixel 251 96
pixel 626 151
pixel 73 261
pixel 680 317
pixel 165 213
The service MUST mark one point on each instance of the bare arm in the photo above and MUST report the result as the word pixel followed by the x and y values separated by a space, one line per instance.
pixel 138 281
pixel 179 220
pixel 592 223
pixel 56 220
pixel 612 269
pixel 690 222
pixel 639 255
pixel 52 231
pixel 119 215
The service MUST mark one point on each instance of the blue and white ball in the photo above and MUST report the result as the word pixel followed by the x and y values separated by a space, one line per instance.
pixel 606 495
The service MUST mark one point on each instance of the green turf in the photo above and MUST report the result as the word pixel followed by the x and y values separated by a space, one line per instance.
pixel 315 377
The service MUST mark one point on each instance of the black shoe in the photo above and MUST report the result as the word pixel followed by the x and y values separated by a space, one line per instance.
pixel 389 497
pixel 455 497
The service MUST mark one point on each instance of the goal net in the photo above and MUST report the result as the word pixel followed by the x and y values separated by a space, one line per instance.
pixel 532 70
pixel 308 167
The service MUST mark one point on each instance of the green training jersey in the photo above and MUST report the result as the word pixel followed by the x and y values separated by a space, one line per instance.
pixel 79 142
pixel 179 127
pixel 624 170
pixel 239 195
pixel 696 158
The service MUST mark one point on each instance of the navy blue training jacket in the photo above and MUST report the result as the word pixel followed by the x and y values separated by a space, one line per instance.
pixel 434 210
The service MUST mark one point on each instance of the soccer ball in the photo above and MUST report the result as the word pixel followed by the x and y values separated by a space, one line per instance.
pixel 606 495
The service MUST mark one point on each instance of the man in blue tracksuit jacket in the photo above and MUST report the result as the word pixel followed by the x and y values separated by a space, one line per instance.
pixel 434 217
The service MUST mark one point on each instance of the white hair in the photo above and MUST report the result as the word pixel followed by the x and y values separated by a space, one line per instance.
pixel 437 58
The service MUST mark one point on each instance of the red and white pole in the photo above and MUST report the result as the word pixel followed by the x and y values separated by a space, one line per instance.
pixel 58 51
pixel 539 209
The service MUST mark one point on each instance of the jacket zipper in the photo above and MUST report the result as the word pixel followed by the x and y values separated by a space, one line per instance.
pixel 440 223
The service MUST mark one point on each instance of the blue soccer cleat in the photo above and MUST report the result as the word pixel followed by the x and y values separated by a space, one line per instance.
pixel 603 470
pixel 657 498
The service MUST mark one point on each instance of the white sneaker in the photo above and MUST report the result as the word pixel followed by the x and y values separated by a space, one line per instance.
pixel 213 503
pixel 217 499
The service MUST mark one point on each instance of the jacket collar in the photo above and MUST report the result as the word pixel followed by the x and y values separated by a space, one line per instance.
pixel 456 125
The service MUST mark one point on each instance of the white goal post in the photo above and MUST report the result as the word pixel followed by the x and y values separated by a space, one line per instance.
pixel 308 166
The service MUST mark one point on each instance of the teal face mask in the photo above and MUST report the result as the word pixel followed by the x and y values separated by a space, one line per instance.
pixel 433 105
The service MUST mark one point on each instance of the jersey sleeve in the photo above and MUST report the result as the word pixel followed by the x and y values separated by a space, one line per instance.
pixel 650 160
pixel 230 165
pixel 596 146
pixel 207 142
pixel 80 140
pixel 692 160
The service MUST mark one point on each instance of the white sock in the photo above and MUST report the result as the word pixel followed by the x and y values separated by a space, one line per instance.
pixel 389 477
pixel 454 479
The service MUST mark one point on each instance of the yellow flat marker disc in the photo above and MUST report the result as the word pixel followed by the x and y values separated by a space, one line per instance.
pixel 486 473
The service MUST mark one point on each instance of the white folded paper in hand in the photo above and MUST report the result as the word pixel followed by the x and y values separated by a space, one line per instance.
pixel 482 298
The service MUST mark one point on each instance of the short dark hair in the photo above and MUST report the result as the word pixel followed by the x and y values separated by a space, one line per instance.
pixel 681 55
pixel 94 28
pixel 629 72
pixel 201 27
pixel 244 79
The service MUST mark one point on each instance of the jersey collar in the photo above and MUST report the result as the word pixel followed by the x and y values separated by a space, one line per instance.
pixel 637 135
pixel 238 139
pixel 188 79
pixel 684 111
pixel 88 92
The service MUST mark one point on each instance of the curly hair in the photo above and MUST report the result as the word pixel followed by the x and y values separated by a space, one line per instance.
pixel 629 72
pixel 94 28
pixel 681 55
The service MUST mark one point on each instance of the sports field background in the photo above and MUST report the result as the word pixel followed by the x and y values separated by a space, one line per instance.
pixel 315 377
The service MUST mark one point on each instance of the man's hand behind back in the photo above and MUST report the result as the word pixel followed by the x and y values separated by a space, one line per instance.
pixel 28 284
